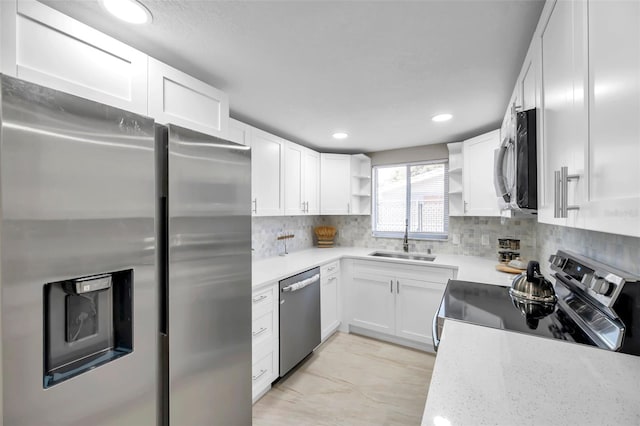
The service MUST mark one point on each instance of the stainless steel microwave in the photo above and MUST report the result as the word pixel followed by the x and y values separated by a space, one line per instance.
pixel 516 170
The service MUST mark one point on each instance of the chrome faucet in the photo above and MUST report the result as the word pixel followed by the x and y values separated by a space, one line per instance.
pixel 405 241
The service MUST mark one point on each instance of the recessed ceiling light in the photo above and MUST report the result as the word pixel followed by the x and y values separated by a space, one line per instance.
pixel 129 11
pixel 340 135
pixel 442 117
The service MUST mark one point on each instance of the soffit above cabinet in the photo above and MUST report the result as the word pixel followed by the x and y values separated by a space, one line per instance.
pixel 378 70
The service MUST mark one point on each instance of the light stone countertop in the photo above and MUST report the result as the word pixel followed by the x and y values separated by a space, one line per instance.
pixel 470 268
pixel 485 376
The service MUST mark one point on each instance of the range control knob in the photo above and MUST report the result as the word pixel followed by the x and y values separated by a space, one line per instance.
pixel 604 287
pixel 587 279
pixel 596 283
pixel 556 260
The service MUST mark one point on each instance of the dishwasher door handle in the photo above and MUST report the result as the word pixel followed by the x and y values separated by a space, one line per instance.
pixel 301 284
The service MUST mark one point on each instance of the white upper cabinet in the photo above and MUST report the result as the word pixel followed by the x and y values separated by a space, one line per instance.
pixel 311 170
pixel 335 185
pixel 294 203
pixel 301 180
pixel 478 190
pixel 583 74
pixel 456 164
pixel 239 132
pixel 267 174
pixel 530 79
pixel 360 184
pixel 612 199
pixel 564 114
pixel 345 184
pixel 44 46
pixel 178 98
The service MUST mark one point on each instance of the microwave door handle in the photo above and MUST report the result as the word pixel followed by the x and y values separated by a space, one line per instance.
pixel 499 172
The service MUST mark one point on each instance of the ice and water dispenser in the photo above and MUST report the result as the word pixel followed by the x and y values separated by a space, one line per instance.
pixel 87 323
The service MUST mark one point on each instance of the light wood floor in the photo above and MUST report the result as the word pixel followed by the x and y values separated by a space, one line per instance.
pixel 351 380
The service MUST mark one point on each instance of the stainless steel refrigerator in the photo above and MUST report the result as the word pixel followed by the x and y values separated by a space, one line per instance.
pixel 206 322
pixel 125 279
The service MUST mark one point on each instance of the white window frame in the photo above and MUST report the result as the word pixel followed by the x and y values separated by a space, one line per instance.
pixel 412 235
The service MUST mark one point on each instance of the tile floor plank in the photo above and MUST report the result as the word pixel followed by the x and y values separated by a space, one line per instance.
pixel 351 381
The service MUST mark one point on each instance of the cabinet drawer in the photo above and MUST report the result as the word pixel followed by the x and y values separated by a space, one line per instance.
pixel 261 373
pixel 330 268
pixel 262 328
pixel 262 301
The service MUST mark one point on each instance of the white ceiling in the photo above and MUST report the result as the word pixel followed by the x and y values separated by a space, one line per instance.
pixel 376 69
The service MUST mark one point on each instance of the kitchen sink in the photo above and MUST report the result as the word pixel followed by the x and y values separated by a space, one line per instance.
pixel 408 256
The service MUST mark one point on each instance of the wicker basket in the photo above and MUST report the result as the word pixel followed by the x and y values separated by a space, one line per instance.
pixel 325 235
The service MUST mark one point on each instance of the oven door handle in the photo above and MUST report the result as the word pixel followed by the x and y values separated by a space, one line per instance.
pixel 434 325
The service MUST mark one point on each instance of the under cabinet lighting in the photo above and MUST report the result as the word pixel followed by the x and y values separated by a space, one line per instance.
pixel 130 11
pixel 442 117
pixel 340 135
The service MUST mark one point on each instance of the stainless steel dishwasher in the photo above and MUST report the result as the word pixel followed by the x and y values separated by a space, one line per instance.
pixel 299 318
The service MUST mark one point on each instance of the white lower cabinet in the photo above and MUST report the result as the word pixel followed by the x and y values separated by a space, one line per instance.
pixel 417 301
pixel 373 301
pixel 396 300
pixel 265 339
pixel 330 300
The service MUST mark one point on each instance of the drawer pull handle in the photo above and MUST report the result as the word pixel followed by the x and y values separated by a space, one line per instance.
pixel 257 299
pixel 260 374
pixel 262 330
pixel 333 278
pixel 331 269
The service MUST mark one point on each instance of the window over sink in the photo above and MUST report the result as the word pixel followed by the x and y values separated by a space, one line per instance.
pixel 413 193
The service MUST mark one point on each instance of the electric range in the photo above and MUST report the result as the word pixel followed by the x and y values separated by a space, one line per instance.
pixel 597 305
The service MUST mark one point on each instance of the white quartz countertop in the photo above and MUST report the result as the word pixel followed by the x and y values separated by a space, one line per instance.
pixel 485 376
pixel 470 268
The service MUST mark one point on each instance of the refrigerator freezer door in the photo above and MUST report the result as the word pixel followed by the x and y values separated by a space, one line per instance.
pixel 209 289
pixel 77 199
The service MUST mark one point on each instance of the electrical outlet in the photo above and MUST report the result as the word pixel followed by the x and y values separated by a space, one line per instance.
pixel 455 239
pixel 485 240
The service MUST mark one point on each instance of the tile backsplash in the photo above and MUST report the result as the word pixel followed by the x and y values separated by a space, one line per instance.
pixel 266 230
pixel 616 250
pixel 537 240
pixel 356 231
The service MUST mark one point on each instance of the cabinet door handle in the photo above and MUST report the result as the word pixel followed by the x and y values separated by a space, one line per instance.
pixel 557 183
pixel 398 286
pixel 307 203
pixel 464 210
pixel 257 299
pixel 262 330
pixel 332 278
pixel 565 177
pixel 391 286
pixel 349 208
pixel 257 376
pixel 255 205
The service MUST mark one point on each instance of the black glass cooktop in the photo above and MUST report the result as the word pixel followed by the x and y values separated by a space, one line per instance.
pixel 492 306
